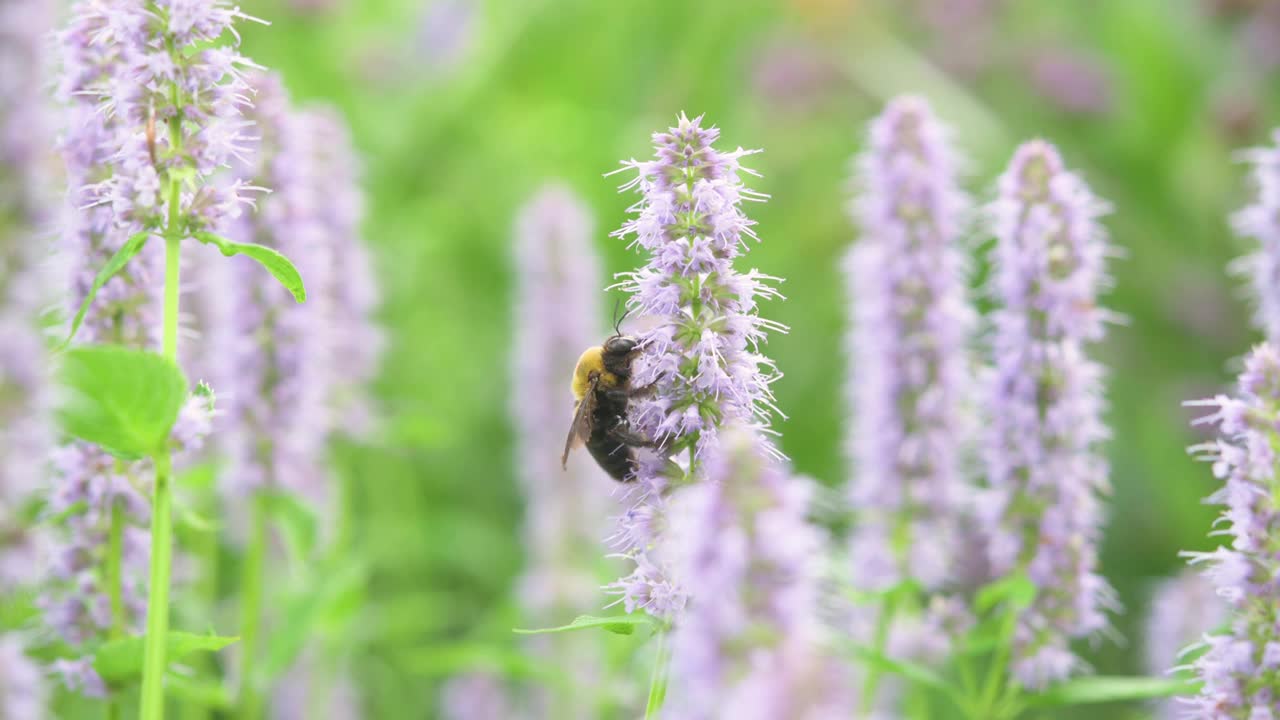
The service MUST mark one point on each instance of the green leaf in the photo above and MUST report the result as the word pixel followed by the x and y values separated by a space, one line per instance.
pixel 121 399
pixel 277 264
pixel 329 593
pixel 1017 590
pixel 919 674
pixel 115 264
pixel 199 691
pixel 297 522
pixel 199 477
pixel 120 661
pixel 1085 690
pixel 440 661
pixel 617 624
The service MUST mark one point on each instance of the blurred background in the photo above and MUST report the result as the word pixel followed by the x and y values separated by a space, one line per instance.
pixel 463 110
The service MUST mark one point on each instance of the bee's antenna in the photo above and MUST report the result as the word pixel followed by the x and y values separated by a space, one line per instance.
pixel 617 321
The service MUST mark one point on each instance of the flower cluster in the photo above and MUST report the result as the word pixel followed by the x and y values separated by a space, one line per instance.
pixel 749 643
pixel 1240 669
pixel 287 370
pixel 1045 402
pixel 1182 609
pixel 557 313
pixel 153 108
pixel 1261 221
pixel 25 210
pixel 174 96
pixel 22 684
pixel 476 696
pixel 698 363
pixel 311 688
pixel 907 350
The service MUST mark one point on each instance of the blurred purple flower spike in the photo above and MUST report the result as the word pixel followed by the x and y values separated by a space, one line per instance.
pixel 1240 668
pixel 750 644
pixel 909 365
pixel 1045 403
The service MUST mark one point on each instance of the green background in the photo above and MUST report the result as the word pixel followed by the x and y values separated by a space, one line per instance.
pixel 546 89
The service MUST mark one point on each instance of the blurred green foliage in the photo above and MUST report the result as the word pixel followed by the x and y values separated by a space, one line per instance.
pixel 565 88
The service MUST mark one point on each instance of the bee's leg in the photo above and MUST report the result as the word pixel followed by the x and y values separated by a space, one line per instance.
pixel 627 436
pixel 644 391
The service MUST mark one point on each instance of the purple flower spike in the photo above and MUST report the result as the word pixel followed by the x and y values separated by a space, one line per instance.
pixel 154 96
pixel 699 356
pixel 1183 608
pixel 1241 668
pixel 909 368
pixel 26 209
pixel 476 696
pixel 749 644
pixel 1261 222
pixel 23 691
pixel 275 367
pixel 1043 456
pixel 557 314
pixel 292 373
pixel 313 687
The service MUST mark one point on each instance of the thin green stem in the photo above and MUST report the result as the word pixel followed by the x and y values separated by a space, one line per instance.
pixel 1000 664
pixel 209 552
pixel 154 661
pixel 883 625
pixel 251 606
pixel 115 579
pixel 115 589
pixel 658 683
pixel 172 271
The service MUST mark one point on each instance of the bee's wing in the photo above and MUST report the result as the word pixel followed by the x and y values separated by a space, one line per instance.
pixel 580 430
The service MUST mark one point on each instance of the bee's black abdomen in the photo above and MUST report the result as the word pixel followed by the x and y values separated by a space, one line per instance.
pixel 616 458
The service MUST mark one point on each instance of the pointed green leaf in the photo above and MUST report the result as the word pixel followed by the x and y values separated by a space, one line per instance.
pixel 441 661
pixel 327 593
pixel 297 522
pixel 1017 589
pixel 203 692
pixel 120 661
pixel 280 267
pixel 617 624
pixel 919 674
pixel 115 264
pixel 1085 690
pixel 121 399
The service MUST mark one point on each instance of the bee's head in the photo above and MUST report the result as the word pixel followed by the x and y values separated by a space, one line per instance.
pixel 620 345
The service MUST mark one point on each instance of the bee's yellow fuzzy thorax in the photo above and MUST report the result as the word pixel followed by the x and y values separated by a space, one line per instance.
pixel 591 362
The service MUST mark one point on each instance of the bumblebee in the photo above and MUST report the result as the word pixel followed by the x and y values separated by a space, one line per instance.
pixel 602 389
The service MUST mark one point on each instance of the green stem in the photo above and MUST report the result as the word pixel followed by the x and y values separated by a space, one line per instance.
pixel 658 683
pixel 251 607
pixel 154 661
pixel 115 588
pixel 883 625
pixel 209 553
pixel 1000 664
pixel 115 579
